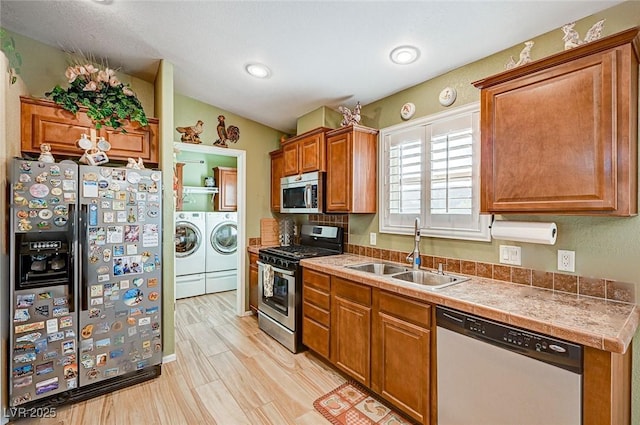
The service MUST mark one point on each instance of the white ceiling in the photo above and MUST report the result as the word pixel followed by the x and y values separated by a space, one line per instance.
pixel 321 53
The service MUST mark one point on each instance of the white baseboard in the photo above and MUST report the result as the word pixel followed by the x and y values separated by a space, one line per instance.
pixel 169 358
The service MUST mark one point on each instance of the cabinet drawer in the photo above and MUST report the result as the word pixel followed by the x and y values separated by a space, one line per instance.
pixel 412 311
pixel 351 291
pixel 313 279
pixel 313 312
pixel 315 336
pixel 315 297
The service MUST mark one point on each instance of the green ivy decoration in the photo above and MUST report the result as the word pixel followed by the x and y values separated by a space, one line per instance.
pixel 109 102
pixel 8 46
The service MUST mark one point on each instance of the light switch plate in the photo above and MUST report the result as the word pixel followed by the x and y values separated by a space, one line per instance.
pixel 511 255
pixel 372 238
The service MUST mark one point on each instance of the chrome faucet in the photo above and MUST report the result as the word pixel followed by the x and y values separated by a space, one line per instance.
pixel 414 257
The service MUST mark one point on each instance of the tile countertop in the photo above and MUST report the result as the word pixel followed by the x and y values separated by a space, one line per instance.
pixel 594 322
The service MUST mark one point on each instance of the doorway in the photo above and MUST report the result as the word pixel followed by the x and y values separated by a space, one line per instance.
pixel 197 171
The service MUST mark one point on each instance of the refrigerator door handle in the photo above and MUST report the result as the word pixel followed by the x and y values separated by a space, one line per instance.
pixel 82 227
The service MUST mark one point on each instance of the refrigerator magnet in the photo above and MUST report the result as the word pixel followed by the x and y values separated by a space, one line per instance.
pixel 43 310
pixel 90 189
pixel 54 170
pixel 133 177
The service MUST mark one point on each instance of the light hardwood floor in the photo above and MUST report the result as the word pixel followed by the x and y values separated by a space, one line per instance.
pixel 227 372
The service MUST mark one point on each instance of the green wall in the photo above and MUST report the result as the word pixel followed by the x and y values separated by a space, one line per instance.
pixel 193 174
pixel 256 139
pixel 43 67
pixel 164 105
pixel 605 247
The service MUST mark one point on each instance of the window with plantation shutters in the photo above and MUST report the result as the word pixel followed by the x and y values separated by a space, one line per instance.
pixel 430 169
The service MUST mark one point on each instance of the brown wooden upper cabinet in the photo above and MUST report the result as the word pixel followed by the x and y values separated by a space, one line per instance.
pixel 277 162
pixel 43 121
pixel 304 153
pixel 559 135
pixel 351 170
pixel 227 180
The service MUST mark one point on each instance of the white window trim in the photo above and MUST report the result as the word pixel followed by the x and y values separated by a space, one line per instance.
pixel 482 233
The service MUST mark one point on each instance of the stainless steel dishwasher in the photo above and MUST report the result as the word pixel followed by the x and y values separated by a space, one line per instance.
pixel 490 373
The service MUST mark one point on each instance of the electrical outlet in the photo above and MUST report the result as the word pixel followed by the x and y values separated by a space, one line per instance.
pixel 566 261
pixel 511 255
pixel 372 238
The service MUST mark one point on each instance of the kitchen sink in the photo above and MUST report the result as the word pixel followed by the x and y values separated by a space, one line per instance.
pixel 431 279
pixel 378 268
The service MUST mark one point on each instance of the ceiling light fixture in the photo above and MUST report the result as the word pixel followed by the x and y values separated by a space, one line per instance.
pixel 258 70
pixel 404 55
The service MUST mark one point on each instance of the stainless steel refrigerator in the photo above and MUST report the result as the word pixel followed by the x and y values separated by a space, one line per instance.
pixel 86 280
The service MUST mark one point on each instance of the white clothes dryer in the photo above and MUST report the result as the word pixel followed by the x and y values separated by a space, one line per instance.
pixel 190 249
pixel 222 251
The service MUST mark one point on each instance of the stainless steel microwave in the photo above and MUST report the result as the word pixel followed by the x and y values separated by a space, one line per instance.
pixel 301 194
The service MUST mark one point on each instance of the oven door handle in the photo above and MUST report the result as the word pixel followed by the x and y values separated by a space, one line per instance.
pixel 277 270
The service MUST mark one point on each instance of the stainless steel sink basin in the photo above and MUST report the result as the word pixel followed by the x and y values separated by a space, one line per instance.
pixel 431 279
pixel 378 268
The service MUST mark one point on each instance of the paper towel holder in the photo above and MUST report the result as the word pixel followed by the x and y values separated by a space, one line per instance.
pixel 524 231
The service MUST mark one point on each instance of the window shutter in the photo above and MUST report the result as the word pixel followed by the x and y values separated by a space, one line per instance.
pixel 403 175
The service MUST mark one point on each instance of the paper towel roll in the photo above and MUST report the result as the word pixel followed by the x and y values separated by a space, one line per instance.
pixel 525 231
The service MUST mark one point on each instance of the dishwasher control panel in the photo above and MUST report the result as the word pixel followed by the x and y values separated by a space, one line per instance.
pixel 542 347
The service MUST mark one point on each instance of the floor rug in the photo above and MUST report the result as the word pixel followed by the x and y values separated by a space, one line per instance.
pixel 351 404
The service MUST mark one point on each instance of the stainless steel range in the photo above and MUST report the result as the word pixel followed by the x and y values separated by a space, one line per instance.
pixel 280 282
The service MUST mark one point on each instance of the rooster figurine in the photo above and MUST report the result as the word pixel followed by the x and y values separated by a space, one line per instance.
pixel 226 134
pixel 191 134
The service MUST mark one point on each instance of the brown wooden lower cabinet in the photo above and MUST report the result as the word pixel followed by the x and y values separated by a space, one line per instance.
pixel 386 342
pixel 351 329
pixel 606 387
pixel 316 319
pixel 401 353
pixel 253 282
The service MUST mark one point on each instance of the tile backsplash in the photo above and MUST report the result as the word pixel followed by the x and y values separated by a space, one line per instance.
pixel 588 286
pixel 582 285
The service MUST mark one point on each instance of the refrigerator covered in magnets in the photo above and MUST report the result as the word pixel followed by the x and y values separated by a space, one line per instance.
pixel 86 280
pixel 120 291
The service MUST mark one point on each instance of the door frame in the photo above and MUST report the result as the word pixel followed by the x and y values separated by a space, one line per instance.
pixel 242 307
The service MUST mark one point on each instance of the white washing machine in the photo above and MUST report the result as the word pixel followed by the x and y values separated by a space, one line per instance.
pixel 222 252
pixel 191 253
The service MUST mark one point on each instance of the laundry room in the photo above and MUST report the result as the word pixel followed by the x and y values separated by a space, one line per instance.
pixel 205 221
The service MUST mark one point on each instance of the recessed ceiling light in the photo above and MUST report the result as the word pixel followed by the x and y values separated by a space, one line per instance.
pixel 404 55
pixel 258 70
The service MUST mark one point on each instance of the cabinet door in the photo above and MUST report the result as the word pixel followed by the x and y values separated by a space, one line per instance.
pixel 290 158
pixel 137 142
pixel 339 189
pixel 277 163
pixel 403 365
pixel 312 154
pixel 253 282
pixel 43 121
pixel 227 181
pixel 560 135
pixel 351 338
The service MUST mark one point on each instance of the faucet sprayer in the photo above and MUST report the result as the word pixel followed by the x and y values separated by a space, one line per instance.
pixel 414 257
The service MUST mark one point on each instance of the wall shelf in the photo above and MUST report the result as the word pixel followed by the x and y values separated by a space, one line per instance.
pixel 199 190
